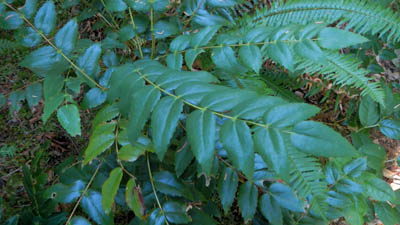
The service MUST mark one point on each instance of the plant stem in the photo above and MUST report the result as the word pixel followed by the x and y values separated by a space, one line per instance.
pixel 137 36
pixel 154 189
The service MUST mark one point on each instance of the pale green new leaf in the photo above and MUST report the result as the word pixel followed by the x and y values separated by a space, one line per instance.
pixel 45 18
pixel 68 116
pixel 200 126
pixel 110 188
pixel 236 139
pixel 319 140
pixel 101 139
pixel 163 123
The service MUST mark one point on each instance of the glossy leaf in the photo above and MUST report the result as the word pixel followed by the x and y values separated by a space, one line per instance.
pixel 319 140
pixel 285 197
pixel 65 193
pixel 290 114
pixel 176 212
pixel 236 139
pixel 101 139
pixel 224 58
pixel 131 153
pixel 91 205
pixel 247 199
pixel 355 167
pixel 174 61
pixel 204 36
pixel 281 53
pixel 94 97
pixel 251 57
pixel 66 37
pixel 201 127
pixel 270 210
pixel 390 128
pixel 88 62
pixel 167 183
pixel 110 188
pixel 227 185
pixel 163 123
pixel 69 118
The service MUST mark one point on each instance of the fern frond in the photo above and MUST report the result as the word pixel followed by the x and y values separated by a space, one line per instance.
pixel 7 151
pixel 345 70
pixel 360 15
pixel 7 45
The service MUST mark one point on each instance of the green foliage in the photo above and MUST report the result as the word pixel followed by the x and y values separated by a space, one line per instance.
pixel 187 123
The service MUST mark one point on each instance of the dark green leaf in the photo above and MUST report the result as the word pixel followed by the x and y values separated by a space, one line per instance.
pixel 319 140
pixel 16 98
pixel 29 9
pixel 65 193
pixel 281 53
pixel 180 43
pixel 167 183
pixel 33 94
pixel 94 97
pixel 377 189
pixel 375 154
pixel 224 58
pixel 144 100
pixel 176 212
pixel 101 139
pixel 355 167
pixel 107 113
pixel 270 210
pixel 163 29
pixel 182 160
pixel 139 5
pixel 30 38
pixel 228 182
pixel 68 116
pixel 387 214
pixel 247 199
pixel 115 5
pixel 204 36
pixel 45 18
pixel 285 197
pixel 91 204
pixel 310 50
pixel 200 126
pixel 163 123
pixel 110 188
pixel 174 61
pixel 236 139
pixel 191 55
pixel 271 145
pixel 10 21
pixel 88 62
pixel 390 128
pixel 126 32
pixel 200 217
pixel 45 61
pixel 3 100
pixel 132 153
pixel 333 38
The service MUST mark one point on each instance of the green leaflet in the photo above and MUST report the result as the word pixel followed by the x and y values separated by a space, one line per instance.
pixel 200 217
pixel 115 5
pixel 131 153
pixel 52 94
pixel 226 98
pixel 107 113
pixel 140 6
pixel 66 37
pixel 110 188
pixel 68 116
pixel 29 37
pixel 78 220
pixel 45 61
pixel 255 108
pixel 204 36
pixel 45 18
pixel 91 204
pixel 191 55
pixel 156 217
pixel 144 101
pixel 355 167
pixel 227 185
pixel 163 123
pixel 281 53
pixel 88 62
pixel 101 139
pixel 368 111
pixel 236 139
pixel 285 197
pixel 377 189
pixel 33 94
pixel 169 184
pixel 201 128
pixel 375 154
pixel 387 214
pixel 319 140
pixel 224 58
pixel 180 43
pixel 270 210
pixel 182 160
pixel 247 199
pixel 390 128
pixel 270 144
pixel 10 21
pixel 309 49
pixel 134 199
pixel 94 97
pixel 164 29
pixel 176 212
pixel 175 61
pixel 333 38
pixel 251 57
pixel 290 114
pixel 29 9
pixel 51 104
pixel 65 193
